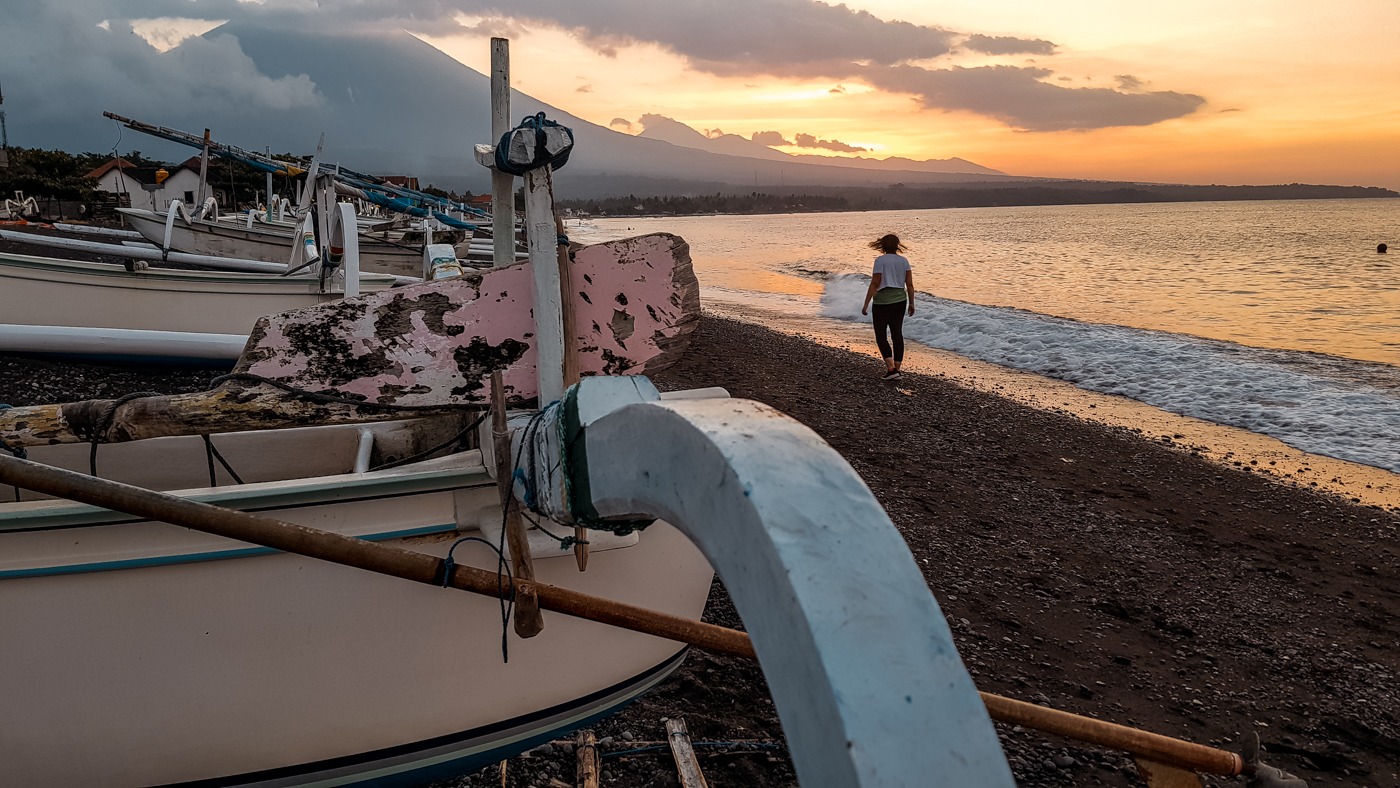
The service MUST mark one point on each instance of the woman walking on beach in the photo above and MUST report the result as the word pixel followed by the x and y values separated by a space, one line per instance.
pixel 892 289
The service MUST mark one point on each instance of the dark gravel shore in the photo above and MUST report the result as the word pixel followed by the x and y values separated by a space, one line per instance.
pixel 1080 566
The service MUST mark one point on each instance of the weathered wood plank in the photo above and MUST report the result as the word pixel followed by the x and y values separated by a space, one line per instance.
pixel 687 767
pixel 586 749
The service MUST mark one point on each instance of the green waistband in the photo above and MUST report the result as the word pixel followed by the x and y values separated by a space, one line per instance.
pixel 890 295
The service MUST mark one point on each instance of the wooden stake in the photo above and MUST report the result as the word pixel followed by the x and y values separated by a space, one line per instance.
pixel 571 361
pixel 586 747
pixel 528 621
pixel 687 767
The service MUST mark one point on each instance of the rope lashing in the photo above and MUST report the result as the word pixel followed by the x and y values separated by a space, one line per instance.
pixel 536 142
pixel 502 572
pixel 98 433
pixel 211 453
pixel 573 460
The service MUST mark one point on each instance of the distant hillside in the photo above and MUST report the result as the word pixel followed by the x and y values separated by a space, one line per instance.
pixel 392 103
pixel 677 133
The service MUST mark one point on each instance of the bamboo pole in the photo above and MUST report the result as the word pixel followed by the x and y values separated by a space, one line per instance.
pixel 1153 746
pixel 411 565
pixel 528 621
pixel 571 360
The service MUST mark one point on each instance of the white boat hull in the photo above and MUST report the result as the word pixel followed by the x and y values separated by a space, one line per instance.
pixel 263 243
pixel 46 292
pixel 138 653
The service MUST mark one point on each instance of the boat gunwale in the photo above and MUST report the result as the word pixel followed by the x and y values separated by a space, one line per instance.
pixel 58 514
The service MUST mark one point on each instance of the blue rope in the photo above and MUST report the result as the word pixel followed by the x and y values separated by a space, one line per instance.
pixel 702 744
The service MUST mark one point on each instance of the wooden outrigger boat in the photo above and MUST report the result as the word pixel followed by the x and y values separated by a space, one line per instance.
pixel 250 666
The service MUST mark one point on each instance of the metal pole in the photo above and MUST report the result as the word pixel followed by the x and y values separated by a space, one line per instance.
pixel 502 183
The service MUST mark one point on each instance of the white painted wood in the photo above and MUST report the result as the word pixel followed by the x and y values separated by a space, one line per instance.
pixel 549 322
pixel 146 251
pixel 95 230
pixel 502 183
pixel 348 236
pixel 867 681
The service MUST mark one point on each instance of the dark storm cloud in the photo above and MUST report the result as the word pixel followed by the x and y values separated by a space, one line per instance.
pixel 58 64
pixel 59 48
pixel 1019 98
pixel 1008 45
pixel 809 141
pixel 802 39
pixel 770 138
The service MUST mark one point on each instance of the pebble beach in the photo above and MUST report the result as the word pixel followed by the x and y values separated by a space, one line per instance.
pixel 1081 566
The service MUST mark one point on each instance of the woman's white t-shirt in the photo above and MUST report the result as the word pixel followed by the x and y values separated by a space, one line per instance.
pixel 891 268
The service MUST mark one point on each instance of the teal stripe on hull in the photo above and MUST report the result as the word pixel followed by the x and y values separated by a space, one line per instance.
pixel 195 558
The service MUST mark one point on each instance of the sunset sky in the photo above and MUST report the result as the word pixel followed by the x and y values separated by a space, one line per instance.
pixel 1248 91
pixel 1293 90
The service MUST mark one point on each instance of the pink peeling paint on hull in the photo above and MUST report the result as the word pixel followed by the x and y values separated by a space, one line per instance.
pixel 437 342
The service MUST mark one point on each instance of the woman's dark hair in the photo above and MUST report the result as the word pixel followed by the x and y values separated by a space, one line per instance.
pixel 889 244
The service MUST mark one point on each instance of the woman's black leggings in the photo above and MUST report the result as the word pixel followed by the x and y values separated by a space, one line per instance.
pixel 890 316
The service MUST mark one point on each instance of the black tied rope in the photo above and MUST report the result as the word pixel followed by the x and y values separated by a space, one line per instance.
pixel 104 423
pixel 503 572
pixel 422 455
pixel 211 452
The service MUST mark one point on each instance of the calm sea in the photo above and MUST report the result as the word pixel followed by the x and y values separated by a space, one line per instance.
pixel 1276 317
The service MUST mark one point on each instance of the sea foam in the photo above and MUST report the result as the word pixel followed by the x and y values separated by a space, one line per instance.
pixel 1320 404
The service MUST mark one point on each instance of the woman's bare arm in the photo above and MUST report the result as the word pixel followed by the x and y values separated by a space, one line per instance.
pixel 870 292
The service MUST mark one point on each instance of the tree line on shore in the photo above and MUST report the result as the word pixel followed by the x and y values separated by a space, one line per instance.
pixel 981 195
pixel 63 176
